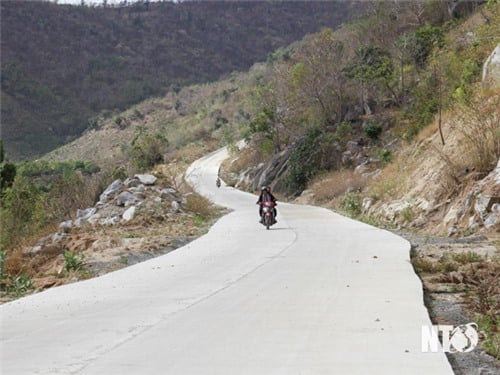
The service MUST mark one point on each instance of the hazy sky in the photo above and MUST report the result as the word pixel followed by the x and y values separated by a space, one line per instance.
pixel 78 2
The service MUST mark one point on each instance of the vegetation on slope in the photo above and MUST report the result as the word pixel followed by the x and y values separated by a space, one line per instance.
pixel 377 83
pixel 64 65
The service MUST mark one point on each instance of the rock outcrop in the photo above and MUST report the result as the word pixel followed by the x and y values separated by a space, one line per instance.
pixel 120 203
pixel 491 69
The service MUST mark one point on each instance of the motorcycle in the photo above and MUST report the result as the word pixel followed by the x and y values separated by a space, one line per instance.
pixel 217 182
pixel 268 213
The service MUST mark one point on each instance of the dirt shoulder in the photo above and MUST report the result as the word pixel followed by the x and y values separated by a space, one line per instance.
pixel 461 281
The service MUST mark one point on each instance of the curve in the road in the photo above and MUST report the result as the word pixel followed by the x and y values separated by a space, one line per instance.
pixel 316 294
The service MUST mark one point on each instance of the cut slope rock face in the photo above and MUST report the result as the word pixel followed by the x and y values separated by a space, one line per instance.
pixel 442 196
pixel 449 189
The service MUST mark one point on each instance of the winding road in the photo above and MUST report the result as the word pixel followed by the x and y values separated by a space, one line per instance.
pixel 316 294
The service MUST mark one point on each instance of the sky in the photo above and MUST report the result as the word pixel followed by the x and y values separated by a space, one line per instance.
pixel 89 2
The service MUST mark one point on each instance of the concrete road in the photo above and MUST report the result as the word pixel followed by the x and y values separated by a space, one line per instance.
pixel 316 294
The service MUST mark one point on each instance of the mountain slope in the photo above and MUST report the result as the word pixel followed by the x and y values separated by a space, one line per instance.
pixel 62 65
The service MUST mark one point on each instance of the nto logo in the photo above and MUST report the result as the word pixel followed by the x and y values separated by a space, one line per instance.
pixel 461 339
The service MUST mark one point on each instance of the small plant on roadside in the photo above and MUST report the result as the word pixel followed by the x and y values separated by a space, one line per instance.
pixel 20 284
pixel 490 324
pixel 124 259
pixel 423 265
pixel 351 204
pixel 468 257
pixel 407 214
pixel 13 285
pixel 73 261
pixel 373 221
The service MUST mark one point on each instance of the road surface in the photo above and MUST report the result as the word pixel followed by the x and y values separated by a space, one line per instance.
pixel 316 294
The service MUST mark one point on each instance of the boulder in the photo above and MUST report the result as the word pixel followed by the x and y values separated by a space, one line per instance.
pixel 138 189
pixel 131 182
pixel 175 206
pixel 362 168
pixel 146 179
pixel 129 213
pixel 491 69
pixel 125 198
pixel 66 226
pixel 58 237
pixel 86 213
pixel 168 194
pixel 111 190
pixel 272 170
pixel 367 203
pixel 110 220
pixel 94 219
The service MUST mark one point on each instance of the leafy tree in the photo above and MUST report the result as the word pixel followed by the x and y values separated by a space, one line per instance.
pixel 148 149
pixel 373 69
pixel 261 123
pixel 422 41
pixel 317 82
pixel 316 152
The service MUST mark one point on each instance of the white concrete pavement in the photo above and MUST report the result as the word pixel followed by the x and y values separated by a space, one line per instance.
pixel 316 294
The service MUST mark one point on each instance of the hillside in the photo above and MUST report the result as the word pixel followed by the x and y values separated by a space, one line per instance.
pixel 64 65
pixel 392 120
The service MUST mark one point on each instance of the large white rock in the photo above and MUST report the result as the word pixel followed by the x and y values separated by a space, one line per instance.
pixel 146 179
pixel 129 213
pixel 111 190
pixel 491 69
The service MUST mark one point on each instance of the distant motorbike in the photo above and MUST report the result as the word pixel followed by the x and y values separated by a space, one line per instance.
pixel 268 213
pixel 217 182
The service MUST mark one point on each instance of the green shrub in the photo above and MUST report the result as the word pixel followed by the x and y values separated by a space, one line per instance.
pixel 468 257
pixel 351 203
pixel 262 122
pixel 148 149
pixel 73 261
pixel 45 192
pixel 422 41
pixel 23 211
pixel 490 324
pixel 372 129
pixel 342 131
pixel 384 155
pixel 407 214
pixel 16 285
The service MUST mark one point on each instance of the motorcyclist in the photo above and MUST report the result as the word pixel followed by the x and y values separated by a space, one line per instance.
pixel 217 182
pixel 266 196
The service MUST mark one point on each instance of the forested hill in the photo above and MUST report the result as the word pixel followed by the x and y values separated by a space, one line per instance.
pixel 62 65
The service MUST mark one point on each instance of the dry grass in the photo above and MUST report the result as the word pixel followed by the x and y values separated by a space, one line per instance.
pixel 200 205
pixel 336 183
pixel 432 129
pixel 247 157
pixel 480 129
pixel 391 183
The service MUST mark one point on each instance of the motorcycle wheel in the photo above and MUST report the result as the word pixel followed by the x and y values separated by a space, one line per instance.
pixel 267 222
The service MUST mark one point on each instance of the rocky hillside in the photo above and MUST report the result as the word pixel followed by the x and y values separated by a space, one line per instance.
pixel 392 120
pixel 137 218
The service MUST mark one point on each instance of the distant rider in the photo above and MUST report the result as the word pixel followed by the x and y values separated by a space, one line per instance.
pixel 266 196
